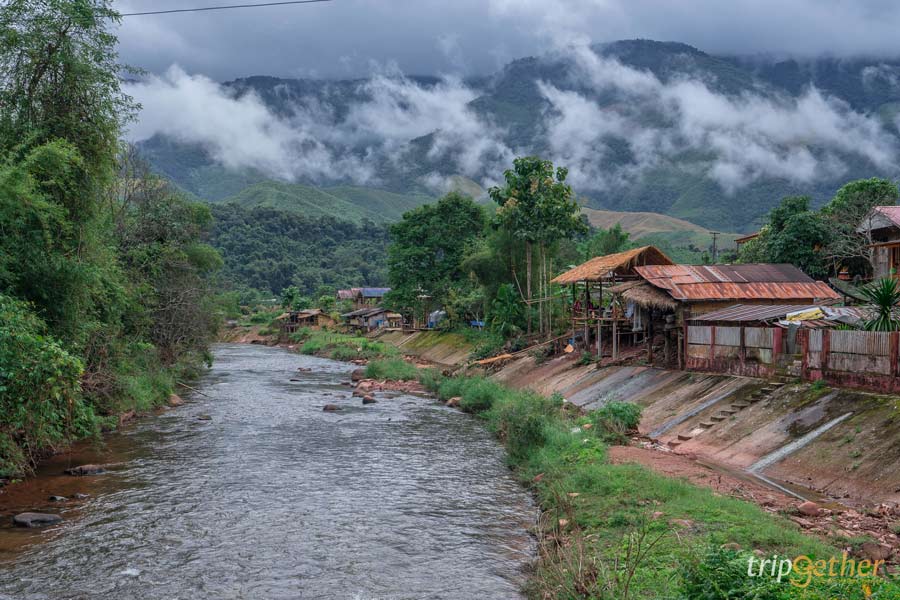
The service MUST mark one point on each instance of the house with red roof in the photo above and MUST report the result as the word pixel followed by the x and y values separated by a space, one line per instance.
pixel 882 226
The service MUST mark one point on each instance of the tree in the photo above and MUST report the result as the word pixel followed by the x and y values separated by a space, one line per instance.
pixel 428 245
pixel 537 207
pixel 845 212
pixel 289 296
pixel 794 235
pixel 60 79
pixel 606 241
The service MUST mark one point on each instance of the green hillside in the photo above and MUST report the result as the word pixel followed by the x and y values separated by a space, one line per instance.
pixel 347 203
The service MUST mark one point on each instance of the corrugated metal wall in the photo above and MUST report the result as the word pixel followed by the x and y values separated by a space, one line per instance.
pixel 699 334
pixel 759 337
pixel 728 336
pixel 861 342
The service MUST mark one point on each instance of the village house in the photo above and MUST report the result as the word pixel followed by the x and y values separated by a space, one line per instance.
pixel 363 297
pixel 882 228
pixel 297 319
pixel 591 321
pixel 697 289
pixel 370 319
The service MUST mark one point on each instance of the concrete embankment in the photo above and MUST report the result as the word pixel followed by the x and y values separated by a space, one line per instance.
pixel 735 422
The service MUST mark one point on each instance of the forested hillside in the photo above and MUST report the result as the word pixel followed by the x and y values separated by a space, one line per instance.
pixel 642 126
pixel 268 250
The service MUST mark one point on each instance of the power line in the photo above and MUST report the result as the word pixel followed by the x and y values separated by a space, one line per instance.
pixel 207 8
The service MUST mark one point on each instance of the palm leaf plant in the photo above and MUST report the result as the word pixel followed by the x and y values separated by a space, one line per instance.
pixel 884 294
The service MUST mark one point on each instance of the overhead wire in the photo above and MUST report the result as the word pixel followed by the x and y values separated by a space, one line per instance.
pixel 223 7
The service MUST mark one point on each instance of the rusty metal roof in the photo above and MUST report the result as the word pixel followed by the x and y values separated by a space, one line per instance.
pixel 621 263
pixel 736 282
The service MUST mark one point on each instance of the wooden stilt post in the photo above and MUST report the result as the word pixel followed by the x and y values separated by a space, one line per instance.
pixel 615 337
pixel 574 297
pixel 587 324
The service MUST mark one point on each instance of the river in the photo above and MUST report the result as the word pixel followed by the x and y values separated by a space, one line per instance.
pixel 272 498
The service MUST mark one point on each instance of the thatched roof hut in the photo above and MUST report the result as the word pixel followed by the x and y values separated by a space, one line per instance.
pixel 643 294
pixel 602 268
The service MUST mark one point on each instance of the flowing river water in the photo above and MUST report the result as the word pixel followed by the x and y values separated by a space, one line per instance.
pixel 273 498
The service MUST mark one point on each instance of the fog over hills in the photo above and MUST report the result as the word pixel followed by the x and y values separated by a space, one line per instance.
pixel 642 126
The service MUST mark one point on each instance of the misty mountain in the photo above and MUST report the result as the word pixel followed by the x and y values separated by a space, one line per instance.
pixel 642 126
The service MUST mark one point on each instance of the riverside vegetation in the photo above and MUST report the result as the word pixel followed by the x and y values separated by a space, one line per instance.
pixel 105 279
pixel 621 532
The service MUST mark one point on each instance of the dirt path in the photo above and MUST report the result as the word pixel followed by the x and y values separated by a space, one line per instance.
pixel 838 524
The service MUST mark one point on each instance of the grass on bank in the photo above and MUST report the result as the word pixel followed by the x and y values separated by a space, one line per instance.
pixel 620 532
pixel 394 369
pixel 340 346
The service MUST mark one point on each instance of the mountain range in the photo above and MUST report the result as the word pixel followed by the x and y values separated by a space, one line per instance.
pixel 642 125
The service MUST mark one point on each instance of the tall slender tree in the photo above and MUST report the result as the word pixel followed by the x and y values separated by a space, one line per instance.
pixel 537 206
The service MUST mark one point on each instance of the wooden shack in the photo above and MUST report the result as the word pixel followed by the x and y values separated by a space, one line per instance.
pixel 587 282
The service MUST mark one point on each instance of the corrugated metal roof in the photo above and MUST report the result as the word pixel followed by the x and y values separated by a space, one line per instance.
pixel 891 212
pixel 622 263
pixel 363 312
pixel 374 292
pixel 736 282
pixel 751 312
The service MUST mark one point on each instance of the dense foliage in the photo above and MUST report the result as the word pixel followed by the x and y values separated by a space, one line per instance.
pixel 270 250
pixel 822 242
pixel 426 256
pixel 104 295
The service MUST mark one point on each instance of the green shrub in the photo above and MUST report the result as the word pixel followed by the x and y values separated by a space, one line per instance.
pixel 615 419
pixel 395 369
pixel 486 345
pixel 478 395
pixel 312 346
pixel 40 400
pixel 344 353
pixel 260 318
pixel 430 379
pixel 521 420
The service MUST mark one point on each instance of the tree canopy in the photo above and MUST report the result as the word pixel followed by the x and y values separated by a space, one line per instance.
pixel 428 245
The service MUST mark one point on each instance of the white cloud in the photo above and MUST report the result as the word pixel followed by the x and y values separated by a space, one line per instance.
pixel 241 131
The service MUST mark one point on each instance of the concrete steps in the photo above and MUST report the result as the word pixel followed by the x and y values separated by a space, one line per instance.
pixel 726 413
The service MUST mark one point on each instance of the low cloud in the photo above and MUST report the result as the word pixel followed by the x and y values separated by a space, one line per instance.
pixel 311 142
pixel 238 132
pixel 744 137
pixel 609 124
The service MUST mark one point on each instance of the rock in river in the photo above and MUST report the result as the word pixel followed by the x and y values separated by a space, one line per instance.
pixel 86 470
pixel 358 375
pixel 175 400
pixel 35 519
pixel 369 400
pixel 58 499
pixel 331 408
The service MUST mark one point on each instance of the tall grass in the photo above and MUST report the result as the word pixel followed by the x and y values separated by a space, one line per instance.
pixel 341 346
pixel 395 369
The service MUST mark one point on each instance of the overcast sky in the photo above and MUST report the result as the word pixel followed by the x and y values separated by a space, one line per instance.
pixel 346 38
